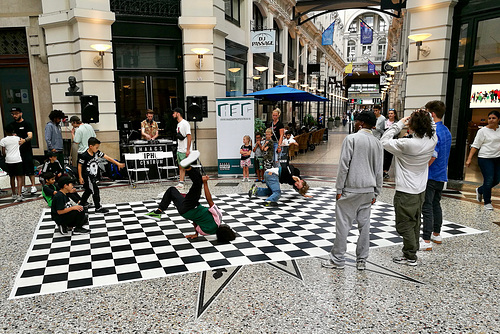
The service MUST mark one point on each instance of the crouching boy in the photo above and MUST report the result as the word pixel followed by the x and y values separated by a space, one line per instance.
pixel 64 213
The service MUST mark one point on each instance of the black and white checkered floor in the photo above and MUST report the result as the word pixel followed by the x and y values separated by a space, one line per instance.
pixel 125 245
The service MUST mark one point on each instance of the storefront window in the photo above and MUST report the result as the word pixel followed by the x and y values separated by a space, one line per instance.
pixel 145 56
pixel 462 43
pixel 487 43
pixel 235 78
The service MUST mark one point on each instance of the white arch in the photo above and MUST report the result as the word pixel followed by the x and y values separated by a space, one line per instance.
pixel 361 12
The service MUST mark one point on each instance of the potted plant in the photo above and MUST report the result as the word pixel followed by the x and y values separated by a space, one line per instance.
pixel 309 120
pixel 330 123
pixel 260 126
pixel 337 121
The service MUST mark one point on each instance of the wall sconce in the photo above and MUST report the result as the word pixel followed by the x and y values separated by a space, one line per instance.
pixel 261 68
pixel 390 72
pixel 280 76
pixel 200 52
pixel 234 69
pixel 293 81
pixel 256 77
pixel 101 48
pixel 388 79
pixel 396 63
pixel 418 38
pixel 304 85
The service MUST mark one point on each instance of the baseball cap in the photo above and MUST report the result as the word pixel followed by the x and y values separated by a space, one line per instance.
pixel 15 109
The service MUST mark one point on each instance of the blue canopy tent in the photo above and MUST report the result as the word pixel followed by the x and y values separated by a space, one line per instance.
pixel 285 93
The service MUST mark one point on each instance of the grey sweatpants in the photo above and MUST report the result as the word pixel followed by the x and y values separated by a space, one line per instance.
pixel 351 208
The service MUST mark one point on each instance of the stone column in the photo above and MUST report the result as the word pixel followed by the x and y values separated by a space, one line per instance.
pixel 71 27
pixel 197 23
pixel 427 77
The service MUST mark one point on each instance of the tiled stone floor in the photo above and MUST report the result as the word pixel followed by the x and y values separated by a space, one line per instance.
pixel 454 289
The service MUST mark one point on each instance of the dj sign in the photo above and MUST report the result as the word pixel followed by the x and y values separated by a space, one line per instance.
pixel 263 41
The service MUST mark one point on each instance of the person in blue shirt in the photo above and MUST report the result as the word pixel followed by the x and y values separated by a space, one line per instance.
pixel 431 209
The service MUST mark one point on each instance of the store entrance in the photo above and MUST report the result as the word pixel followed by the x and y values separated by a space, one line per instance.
pixel 483 99
pixel 138 93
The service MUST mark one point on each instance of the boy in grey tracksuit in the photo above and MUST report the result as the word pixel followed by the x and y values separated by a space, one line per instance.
pixel 359 181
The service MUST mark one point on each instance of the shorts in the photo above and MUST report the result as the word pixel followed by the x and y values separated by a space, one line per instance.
pixel 180 156
pixel 259 163
pixel 28 166
pixel 245 163
pixel 15 169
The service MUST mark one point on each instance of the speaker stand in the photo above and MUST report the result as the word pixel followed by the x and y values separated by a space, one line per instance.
pixel 195 137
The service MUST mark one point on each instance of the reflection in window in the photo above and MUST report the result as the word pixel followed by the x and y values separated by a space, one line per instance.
pixel 258 19
pixel 381 24
pixel 462 43
pixel 351 50
pixel 235 78
pixel 232 10
pixel 487 43
pixel 381 49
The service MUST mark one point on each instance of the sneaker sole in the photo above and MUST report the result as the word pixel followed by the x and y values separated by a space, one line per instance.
pixel 331 267
pixel 426 249
pixel 151 217
pixel 437 242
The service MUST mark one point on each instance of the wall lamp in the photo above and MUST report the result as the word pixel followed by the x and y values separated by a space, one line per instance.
pixel 418 38
pixel 280 76
pixel 256 77
pixel 293 81
pixel 101 48
pixel 234 69
pixel 200 52
pixel 261 68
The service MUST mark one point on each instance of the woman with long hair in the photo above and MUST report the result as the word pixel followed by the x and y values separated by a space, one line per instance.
pixel 487 142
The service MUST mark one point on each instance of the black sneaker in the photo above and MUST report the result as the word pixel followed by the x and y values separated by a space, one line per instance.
pixel 62 229
pixel 101 210
pixel 270 204
pixel 80 230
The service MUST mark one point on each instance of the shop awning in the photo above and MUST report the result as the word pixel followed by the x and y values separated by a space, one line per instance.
pixel 285 93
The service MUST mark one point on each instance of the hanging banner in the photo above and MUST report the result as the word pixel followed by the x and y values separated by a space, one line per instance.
pixel 348 68
pixel 327 36
pixel 234 119
pixel 371 67
pixel 366 33
pixel 263 41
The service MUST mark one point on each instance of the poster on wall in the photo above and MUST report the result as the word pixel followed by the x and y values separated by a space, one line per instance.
pixel 234 119
pixel 485 96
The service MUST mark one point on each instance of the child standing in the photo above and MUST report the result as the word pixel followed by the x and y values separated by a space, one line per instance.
pixel 245 152
pixel 259 157
pixel 268 150
pixel 88 167
pixel 287 142
pixel 10 149
pixel 49 189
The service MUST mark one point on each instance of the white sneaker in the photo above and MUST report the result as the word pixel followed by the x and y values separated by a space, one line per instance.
pixel 438 239
pixel 2 173
pixel 193 156
pixel 488 206
pixel 24 190
pixel 479 197
pixel 180 186
pixel 19 198
pixel 33 190
pixel 425 246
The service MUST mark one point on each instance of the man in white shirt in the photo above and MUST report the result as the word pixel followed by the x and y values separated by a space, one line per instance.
pixel 411 156
pixel 183 134
pixel 379 129
pixel 81 133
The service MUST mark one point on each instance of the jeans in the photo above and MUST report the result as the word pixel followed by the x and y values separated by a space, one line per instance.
pixel 490 168
pixel 273 189
pixel 184 204
pixel 431 209
pixel 276 154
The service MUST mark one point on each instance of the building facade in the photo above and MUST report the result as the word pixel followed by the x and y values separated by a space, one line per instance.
pixel 151 63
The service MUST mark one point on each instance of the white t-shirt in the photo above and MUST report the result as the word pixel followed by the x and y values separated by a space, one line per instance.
pixel 487 141
pixel 287 142
pixel 82 135
pixel 12 154
pixel 184 129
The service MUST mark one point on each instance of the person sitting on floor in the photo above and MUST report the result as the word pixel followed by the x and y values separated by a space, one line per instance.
pixel 53 166
pixel 64 213
pixel 273 177
pixel 49 189
pixel 205 220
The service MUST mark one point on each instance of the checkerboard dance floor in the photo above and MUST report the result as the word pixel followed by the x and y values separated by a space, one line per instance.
pixel 125 245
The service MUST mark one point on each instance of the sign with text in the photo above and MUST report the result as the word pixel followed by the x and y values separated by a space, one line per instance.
pixel 234 119
pixel 485 96
pixel 262 41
